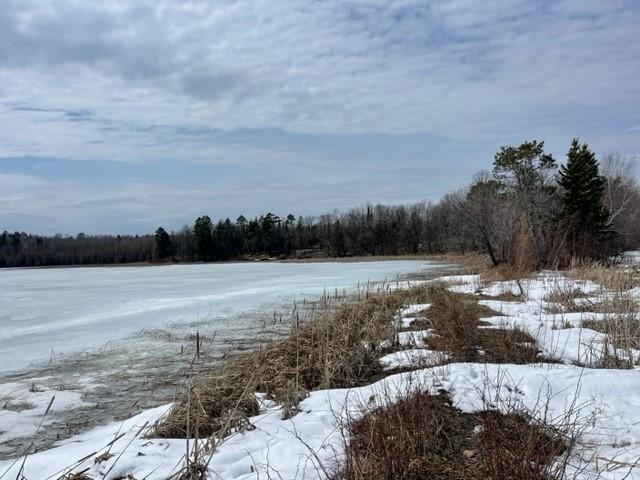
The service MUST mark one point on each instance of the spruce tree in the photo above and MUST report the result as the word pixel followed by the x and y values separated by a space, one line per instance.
pixel 164 248
pixel 203 233
pixel 582 190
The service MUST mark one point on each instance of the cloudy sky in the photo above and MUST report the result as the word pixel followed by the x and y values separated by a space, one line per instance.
pixel 121 116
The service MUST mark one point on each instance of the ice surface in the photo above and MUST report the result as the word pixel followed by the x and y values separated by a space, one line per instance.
pixel 116 335
pixel 48 312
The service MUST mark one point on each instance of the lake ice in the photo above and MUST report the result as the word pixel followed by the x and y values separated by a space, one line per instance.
pixel 108 341
pixel 48 312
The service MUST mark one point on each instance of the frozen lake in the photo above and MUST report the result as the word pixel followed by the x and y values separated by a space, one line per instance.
pixel 111 341
pixel 46 313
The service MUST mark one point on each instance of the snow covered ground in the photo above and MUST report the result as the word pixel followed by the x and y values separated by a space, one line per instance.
pixel 633 256
pixel 605 403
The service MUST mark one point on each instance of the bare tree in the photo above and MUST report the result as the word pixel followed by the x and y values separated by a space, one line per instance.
pixel 620 185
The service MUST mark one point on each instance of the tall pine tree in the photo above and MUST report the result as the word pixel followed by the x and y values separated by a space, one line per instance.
pixel 164 248
pixel 582 189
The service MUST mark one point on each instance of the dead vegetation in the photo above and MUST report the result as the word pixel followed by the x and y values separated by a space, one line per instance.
pixel 337 349
pixel 455 318
pixel 622 344
pixel 619 278
pixel 76 476
pixel 614 305
pixel 567 299
pixel 424 436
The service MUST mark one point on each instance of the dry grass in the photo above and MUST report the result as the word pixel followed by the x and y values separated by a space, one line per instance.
pixel 616 300
pixel 76 476
pixel 423 436
pixel 623 330
pixel 610 277
pixel 456 319
pixel 623 339
pixel 336 349
pixel 565 299
pixel 504 272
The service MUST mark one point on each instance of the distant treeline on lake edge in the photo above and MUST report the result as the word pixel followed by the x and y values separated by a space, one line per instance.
pixel 367 231
pixel 526 211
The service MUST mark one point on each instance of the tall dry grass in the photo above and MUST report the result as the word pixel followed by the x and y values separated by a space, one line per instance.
pixel 615 304
pixel 336 349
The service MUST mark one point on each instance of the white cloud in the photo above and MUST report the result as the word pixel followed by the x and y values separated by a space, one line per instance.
pixel 192 82
pixel 457 68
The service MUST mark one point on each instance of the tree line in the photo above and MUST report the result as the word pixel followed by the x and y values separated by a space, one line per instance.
pixel 526 211
pixel 531 213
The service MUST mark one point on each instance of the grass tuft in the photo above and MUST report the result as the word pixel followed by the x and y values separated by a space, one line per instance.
pixel 424 436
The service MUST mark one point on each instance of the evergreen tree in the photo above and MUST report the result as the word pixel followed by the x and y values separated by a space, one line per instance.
pixel 582 190
pixel 525 175
pixel 164 248
pixel 203 233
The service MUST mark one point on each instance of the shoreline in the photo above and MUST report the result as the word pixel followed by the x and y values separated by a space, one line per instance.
pixel 170 340
pixel 445 257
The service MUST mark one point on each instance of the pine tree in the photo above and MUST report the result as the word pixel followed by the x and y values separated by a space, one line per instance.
pixel 203 233
pixel 163 243
pixel 582 190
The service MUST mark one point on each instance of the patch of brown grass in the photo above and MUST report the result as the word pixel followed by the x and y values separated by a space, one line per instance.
pixel 503 297
pixel 614 278
pixel 623 333
pixel 423 437
pixel 337 349
pixel 457 320
pixel 504 272
pixel 563 300
pixel 76 476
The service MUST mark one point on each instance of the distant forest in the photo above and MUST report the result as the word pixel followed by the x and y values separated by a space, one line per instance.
pixel 369 230
pixel 525 210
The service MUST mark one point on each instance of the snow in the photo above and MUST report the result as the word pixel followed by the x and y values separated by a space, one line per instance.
pixel 301 446
pixel 414 357
pixel 413 338
pixel 405 316
pixel 22 408
pixel 603 403
pixel 413 309
pixel 633 256
pixel 560 336
pixel 53 311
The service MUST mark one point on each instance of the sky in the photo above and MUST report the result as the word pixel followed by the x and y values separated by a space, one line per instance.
pixel 121 116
